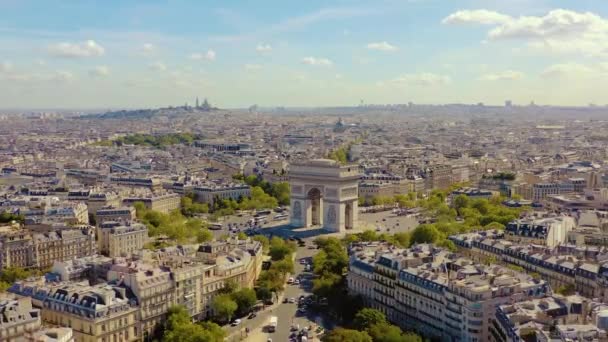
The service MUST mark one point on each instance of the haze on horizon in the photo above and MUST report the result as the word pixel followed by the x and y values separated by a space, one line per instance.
pixel 112 54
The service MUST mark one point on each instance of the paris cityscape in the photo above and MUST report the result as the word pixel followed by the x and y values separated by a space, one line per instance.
pixel 329 171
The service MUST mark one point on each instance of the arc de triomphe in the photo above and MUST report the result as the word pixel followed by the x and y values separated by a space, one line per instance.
pixel 324 193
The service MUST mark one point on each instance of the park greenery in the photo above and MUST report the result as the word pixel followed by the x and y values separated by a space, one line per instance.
pixel 7 217
pixel 501 176
pixel 180 328
pixel 156 141
pixel 279 190
pixel 173 225
pixel 272 281
pixel 371 325
pixel 191 208
pixel 10 275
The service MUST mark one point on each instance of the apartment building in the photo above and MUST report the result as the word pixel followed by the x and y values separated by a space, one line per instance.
pixel 63 244
pixel 116 239
pixel 189 277
pixel 98 313
pixel 437 176
pixel 16 248
pixel 18 319
pixel 211 193
pixel 153 288
pixel 436 292
pixel 99 200
pixel 552 318
pixel 144 182
pixel 159 202
pixel 24 248
pixel 115 214
pixel 549 231
pixel 581 267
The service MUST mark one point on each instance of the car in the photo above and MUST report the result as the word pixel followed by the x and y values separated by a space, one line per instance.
pixel 269 340
pixel 290 280
pixel 285 300
pixel 236 322
pixel 312 247
pixel 303 261
pixel 252 315
pixel 292 300
pixel 296 282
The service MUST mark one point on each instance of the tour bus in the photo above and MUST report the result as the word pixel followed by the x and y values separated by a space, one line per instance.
pixel 216 226
pixel 262 213
pixel 280 217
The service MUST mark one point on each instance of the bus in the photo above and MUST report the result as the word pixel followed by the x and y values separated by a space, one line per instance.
pixel 216 226
pixel 262 213
pixel 281 217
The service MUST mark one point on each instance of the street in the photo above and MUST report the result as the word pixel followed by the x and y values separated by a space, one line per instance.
pixel 286 312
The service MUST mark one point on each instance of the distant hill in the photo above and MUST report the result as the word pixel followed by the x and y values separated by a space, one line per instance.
pixel 150 113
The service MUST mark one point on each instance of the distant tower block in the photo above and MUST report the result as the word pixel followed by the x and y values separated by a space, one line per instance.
pixel 197 102
pixel 325 194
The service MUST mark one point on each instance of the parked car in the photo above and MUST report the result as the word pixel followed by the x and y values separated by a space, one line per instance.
pixel 236 322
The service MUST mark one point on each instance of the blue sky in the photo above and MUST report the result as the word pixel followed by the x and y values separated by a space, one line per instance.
pixel 111 53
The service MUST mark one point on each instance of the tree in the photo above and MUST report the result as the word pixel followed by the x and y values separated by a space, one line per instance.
pixel 263 293
pixel 283 266
pixel 425 233
pixel 179 327
pixel 367 317
pixel 264 241
pixel 346 335
pixel 385 332
pixel 279 248
pixel 461 201
pixel 223 307
pixel 230 286
pixel 215 331
pixel 245 299
pixel 204 235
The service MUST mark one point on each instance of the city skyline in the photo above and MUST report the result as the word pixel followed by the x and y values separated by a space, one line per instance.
pixel 112 55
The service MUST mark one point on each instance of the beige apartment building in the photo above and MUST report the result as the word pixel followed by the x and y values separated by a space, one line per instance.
pixel 122 214
pixel 121 240
pixel 154 289
pixel 101 313
pixel 24 248
pixel 211 193
pixel 18 319
pixel 164 203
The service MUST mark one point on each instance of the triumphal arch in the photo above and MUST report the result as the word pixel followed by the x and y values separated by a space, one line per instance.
pixel 324 194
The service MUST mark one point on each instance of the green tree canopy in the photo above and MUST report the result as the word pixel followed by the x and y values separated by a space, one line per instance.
pixel 224 307
pixel 367 317
pixel 245 299
pixel 346 335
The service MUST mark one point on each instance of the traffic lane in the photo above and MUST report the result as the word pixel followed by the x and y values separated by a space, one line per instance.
pixel 387 221
pixel 295 291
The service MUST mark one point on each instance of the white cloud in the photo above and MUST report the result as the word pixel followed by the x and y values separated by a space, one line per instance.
pixel 62 76
pixel 6 66
pixel 159 66
pixel 252 67
pixel 558 31
pixel 424 79
pixel 208 56
pixel 381 46
pixel 567 70
pixel 263 48
pixel 99 71
pixel 315 61
pixel 147 49
pixel 507 75
pixel 88 48
pixel 481 16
